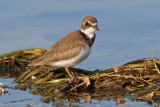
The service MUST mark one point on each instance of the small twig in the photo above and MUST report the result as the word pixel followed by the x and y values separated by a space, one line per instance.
pixel 76 86
pixel 131 76
pixel 141 72
pixel 152 56
pixel 149 82
pixel 109 73
pixel 101 75
pixel 157 69
pixel 137 78
pixel 80 95
pixel 157 61
pixel 121 76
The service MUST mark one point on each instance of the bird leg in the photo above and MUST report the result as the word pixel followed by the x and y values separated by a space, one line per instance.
pixel 67 70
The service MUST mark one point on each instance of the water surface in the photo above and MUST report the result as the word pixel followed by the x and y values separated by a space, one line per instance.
pixel 129 31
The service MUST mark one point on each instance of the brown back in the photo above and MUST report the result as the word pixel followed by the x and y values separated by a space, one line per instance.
pixel 66 48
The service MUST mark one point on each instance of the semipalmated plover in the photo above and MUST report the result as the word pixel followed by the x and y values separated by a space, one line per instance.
pixel 71 49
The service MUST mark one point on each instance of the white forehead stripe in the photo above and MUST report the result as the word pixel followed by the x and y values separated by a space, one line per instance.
pixel 93 24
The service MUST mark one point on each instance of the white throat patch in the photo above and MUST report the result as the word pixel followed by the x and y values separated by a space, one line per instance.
pixel 89 32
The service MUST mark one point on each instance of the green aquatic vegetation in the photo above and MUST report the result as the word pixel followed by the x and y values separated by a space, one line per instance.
pixel 140 77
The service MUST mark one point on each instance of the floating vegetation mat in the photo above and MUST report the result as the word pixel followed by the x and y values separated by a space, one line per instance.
pixel 140 78
pixel 15 62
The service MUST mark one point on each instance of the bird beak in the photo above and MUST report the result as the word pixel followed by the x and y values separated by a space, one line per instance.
pixel 97 29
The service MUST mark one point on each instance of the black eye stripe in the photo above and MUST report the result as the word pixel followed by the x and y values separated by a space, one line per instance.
pixel 88 24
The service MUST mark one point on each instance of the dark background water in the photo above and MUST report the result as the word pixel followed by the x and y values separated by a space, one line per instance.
pixel 130 29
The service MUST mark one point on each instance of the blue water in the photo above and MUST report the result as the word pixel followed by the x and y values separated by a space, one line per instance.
pixel 14 98
pixel 129 30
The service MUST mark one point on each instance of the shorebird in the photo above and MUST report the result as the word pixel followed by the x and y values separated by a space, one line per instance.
pixel 71 49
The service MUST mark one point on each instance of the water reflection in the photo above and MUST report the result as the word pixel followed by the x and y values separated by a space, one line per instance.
pixel 105 98
pixel 99 100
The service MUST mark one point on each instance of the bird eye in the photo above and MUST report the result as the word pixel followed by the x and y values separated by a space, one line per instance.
pixel 87 24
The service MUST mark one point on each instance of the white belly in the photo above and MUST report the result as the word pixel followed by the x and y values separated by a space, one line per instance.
pixel 74 61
